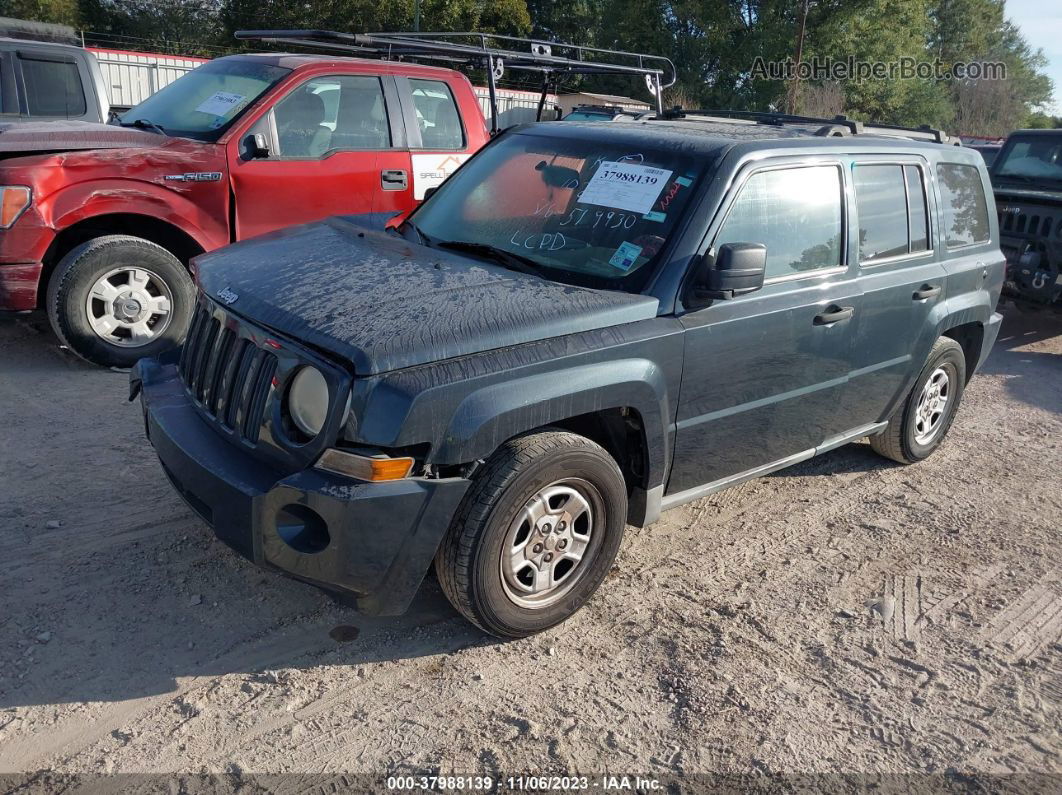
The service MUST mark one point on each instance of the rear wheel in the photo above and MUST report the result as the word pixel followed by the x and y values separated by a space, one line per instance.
pixel 116 299
pixel 921 423
pixel 535 535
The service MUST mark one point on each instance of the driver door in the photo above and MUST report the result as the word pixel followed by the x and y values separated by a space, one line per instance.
pixel 765 373
pixel 327 138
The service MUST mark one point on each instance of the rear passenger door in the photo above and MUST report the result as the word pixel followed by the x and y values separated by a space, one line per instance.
pixel 902 279
pixel 329 137
pixel 764 374
pixel 438 140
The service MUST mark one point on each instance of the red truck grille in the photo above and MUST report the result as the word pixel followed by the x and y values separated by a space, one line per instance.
pixel 226 373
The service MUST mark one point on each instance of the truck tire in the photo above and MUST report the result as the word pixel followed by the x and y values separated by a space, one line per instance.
pixel 918 427
pixel 535 535
pixel 115 299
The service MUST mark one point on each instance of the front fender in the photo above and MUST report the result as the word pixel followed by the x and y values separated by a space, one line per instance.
pixel 487 417
pixel 79 202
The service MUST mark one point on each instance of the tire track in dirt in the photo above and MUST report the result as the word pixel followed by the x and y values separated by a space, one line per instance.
pixel 1028 625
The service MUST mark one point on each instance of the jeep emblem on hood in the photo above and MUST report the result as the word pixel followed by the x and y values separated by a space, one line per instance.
pixel 228 296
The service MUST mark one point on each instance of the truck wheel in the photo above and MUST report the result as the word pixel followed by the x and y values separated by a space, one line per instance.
pixel 116 299
pixel 918 427
pixel 535 535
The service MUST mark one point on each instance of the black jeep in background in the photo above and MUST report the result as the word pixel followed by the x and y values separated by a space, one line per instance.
pixel 586 325
pixel 1027 179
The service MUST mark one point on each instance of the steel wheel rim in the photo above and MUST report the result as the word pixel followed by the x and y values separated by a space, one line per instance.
pixel 544 554
pixel 129 307
pixel 932 406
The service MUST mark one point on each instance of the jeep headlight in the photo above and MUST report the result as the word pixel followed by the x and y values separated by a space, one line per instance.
pixel 308 400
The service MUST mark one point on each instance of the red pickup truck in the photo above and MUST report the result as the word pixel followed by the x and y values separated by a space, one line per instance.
pixel 98 222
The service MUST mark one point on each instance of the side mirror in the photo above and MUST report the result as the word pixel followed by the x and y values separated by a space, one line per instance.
pixel 430 192
pixel 257 146
pixel 738 269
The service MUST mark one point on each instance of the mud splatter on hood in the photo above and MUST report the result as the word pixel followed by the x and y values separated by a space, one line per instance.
pixel 384 303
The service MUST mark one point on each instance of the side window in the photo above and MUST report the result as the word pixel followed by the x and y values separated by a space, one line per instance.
pixel 53 88
pixel 326 114
pixel 437 116
pixel 917 208
pixel 881 200
pixel 795 212
pixel 891 200
pixel 965 208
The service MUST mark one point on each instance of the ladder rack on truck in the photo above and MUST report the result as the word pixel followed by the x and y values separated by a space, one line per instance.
pixel 492 52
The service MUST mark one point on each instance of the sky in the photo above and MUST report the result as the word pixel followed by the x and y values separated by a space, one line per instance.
pixel 1041 24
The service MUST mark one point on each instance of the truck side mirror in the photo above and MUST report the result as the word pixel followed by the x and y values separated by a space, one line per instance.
pixel 257 146
pixel 737 269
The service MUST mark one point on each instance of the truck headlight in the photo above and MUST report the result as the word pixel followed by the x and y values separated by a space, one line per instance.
pixel 14 199
pixel 308 400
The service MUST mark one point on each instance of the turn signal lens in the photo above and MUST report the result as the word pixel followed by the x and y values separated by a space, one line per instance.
pixel 14 199
pixel 371 469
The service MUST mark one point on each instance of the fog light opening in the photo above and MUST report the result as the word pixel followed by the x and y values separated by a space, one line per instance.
pixel 302 529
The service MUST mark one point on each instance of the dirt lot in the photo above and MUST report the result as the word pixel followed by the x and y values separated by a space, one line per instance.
pixel 844 615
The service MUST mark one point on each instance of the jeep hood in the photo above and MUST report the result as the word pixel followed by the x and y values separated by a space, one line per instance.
pixel 1009 192
pixel 383 303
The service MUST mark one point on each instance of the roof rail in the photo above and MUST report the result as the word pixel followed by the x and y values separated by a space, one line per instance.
pixel 836 126
pixel 764 117
pixel 922 132
pixel 493 52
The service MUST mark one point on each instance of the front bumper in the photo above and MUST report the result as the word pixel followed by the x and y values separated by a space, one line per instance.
pixel 19 282
pixel 378 538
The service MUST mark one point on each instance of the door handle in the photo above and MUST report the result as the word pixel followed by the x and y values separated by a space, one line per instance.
pixel 926 291
pixel 394 179
pixel 834 314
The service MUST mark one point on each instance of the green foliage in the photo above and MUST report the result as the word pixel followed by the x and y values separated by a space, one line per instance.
pixel 1042 121
pixel 712 42
pixel 61 12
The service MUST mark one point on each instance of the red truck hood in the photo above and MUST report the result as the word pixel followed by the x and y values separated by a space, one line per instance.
pixel 65 136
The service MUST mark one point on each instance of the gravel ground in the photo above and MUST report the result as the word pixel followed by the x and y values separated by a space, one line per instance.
pixel 847 615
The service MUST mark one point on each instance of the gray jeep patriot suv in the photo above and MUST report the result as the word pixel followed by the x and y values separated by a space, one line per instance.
pixel 585 325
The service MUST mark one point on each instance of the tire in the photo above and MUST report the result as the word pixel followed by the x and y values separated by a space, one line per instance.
pixel 561 467
pixel 122 262
pixel 908 438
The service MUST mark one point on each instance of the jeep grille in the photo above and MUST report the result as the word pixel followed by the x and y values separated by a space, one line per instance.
pixel 225 373
pixel 1025 223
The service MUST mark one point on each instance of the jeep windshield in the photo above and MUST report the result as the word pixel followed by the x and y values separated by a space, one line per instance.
pixel 1032 158
pixel 574 209
pixel 204 102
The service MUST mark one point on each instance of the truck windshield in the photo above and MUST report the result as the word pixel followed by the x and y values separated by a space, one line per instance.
pixel 573 209
pixel 204 102
pixel 1036 157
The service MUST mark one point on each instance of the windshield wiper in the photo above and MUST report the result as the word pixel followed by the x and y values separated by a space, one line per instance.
pixel 144 124
pixel 506 259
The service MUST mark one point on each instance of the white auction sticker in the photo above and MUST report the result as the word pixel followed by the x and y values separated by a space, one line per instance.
pixel 220 103
pixel 625 186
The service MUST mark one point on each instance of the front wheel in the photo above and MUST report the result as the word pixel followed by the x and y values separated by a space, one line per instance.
pixel 535 535
pixel 116 299
pixel 918 427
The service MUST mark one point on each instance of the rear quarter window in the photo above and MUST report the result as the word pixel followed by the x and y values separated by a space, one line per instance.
pixel 965 207
pixel 53 88
pixel 437 115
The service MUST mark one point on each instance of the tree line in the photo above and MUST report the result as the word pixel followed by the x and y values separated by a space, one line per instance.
pixel 714 44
